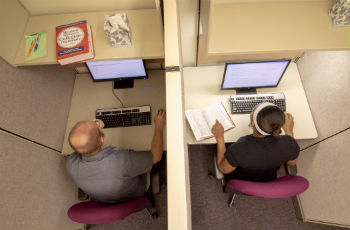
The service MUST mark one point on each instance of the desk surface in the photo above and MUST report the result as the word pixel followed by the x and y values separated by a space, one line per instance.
pixel 89 96
pixel 146 35
pixel 258 27
pixel 202 88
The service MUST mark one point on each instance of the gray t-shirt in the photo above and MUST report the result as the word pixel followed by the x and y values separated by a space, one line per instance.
pixel 111 175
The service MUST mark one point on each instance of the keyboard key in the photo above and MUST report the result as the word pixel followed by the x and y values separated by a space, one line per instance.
pixel 125 117
pixel 250 101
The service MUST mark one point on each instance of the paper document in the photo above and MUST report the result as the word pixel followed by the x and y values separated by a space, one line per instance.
pixel 202 120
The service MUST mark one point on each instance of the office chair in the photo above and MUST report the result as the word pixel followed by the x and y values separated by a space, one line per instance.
pixel 95 212
pixel 282 187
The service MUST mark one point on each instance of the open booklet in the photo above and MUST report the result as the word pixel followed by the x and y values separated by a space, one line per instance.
pixel 202 120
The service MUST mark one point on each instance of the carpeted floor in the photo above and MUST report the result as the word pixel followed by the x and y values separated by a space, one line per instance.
pixel 210 209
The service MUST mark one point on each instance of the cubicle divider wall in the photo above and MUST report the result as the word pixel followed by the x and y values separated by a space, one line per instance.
pixel 35 189
pixel 179 201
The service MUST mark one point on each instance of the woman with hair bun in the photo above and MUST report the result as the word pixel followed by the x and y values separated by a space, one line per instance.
pixel 258 156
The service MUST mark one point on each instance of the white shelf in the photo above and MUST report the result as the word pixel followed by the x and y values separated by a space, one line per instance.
pixel 146 26
pixel 265 27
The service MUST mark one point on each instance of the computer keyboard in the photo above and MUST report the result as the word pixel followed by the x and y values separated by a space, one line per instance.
pixel 245 103
pixel 125 117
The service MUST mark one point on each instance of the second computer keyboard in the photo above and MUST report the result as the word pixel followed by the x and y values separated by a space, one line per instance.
pixel 125 117
pixel 245 103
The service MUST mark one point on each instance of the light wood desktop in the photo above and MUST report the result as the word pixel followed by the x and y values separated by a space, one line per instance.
pixel 146 35
pixel 255 27
pixel 203 87
pixel 89 96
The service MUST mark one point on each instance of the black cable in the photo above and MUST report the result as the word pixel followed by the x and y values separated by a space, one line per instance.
pixel 324 139
pixel 116 96
pixel 27 139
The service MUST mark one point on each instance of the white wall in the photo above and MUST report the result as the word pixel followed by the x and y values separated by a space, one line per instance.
pixel 13 19
pixel 40 7
pixel 179 204
pixel 188 10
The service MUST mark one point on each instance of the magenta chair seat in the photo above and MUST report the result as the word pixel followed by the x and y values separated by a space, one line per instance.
pixel 94 212
pixel 282 187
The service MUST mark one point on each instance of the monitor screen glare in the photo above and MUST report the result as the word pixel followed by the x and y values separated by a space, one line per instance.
pixel 114 70
pixel 253 74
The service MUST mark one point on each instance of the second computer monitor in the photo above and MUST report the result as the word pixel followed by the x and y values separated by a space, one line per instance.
pixel 122 72
pixel 251 75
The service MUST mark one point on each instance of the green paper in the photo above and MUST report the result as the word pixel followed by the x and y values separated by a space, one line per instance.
pixel 41 50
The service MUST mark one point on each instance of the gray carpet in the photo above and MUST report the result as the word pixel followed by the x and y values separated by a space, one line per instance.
pixel 210 209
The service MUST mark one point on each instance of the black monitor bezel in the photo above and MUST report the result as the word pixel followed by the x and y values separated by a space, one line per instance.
pixel 254 87
pixel 118 79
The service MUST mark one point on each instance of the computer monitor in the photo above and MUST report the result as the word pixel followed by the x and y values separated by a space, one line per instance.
pixel 245 77
pixel 122 72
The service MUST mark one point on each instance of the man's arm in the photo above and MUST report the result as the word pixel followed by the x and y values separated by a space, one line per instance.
pixel 157 141
pixel 288 130
pixel 292 162
pixel 222 163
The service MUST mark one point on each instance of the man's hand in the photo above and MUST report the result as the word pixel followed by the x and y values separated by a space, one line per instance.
pixel 218 130
pixel 160 120
pixel 288 124
pixel 99 123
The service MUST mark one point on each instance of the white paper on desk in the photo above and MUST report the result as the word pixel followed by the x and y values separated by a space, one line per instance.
pixel 202 120
pixel 217 112
pixel 198 124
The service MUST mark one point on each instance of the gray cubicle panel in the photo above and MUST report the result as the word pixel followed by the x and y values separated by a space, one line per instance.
pixel 35 190
pixel 326 166
pixel 325 77
pixel 35 101
pixel 325 160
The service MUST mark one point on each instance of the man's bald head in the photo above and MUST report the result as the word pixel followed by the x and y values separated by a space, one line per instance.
pixel 86 137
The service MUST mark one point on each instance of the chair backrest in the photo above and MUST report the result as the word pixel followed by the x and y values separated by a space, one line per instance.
pixel 282 187
pixel 94 212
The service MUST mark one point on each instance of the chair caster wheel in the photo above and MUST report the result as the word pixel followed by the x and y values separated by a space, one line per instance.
pixel 87 226
pixel 155 215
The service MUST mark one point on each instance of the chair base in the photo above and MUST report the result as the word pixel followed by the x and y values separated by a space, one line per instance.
pixel 82 196
pixel 297 208
pixel 155 180
pixel 153 190
pixel 232 201
pixel 87 226
pixel 152 212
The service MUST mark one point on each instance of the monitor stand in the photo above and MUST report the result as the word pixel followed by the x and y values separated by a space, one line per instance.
pixel 246 91
pixel 123 84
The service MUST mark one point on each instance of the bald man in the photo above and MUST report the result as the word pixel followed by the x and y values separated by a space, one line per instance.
pixel 106 174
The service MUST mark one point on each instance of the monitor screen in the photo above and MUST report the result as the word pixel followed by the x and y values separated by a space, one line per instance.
pixel 253 74
pixel 117 69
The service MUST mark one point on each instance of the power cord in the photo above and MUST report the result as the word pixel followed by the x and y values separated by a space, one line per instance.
pixel 116 96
